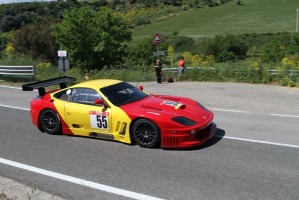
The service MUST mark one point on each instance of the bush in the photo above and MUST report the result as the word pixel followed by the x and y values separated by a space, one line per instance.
pixel 273 51
pixel 225 48
pixel 36 41
pixel 18 59
pixel 229 72
pixel 45 70
pixel 130 75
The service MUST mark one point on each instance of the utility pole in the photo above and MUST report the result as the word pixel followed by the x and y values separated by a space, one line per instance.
pixel 297 20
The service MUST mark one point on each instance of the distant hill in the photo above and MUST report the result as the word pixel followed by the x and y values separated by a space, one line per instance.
pixel 252 16
pixel 20 1
pixel 17 13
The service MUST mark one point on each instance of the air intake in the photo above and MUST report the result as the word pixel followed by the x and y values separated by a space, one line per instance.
pixel 170 141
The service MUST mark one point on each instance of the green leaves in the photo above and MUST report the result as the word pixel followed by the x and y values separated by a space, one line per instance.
pixel 94 39
pixel 225 48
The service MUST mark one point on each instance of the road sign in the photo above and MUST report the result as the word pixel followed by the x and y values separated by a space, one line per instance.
pixel 159 53
pixel 157 39
pixel 63 64
pixel 61 53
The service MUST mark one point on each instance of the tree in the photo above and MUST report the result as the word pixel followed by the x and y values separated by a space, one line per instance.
pixel 141 54
pixel 93 39
pixel 8 23
pixel 36 40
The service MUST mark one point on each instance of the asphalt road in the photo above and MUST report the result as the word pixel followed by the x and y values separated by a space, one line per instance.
pixel 255 154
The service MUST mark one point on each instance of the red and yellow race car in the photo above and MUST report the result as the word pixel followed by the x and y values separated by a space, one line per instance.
pixel 116 110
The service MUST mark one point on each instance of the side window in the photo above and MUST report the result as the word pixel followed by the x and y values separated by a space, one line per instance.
pixel 64 95
pixel 84 95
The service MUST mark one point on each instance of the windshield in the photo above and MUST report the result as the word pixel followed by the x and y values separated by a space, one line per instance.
pixel 122 93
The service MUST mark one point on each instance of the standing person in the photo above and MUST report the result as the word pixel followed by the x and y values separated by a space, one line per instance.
pixel 181 65
pixel 158 67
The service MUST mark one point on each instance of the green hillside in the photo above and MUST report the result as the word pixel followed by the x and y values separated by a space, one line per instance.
pixel 253 16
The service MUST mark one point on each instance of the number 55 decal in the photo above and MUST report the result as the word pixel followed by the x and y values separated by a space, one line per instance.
pixel 99 119
pixel 102 121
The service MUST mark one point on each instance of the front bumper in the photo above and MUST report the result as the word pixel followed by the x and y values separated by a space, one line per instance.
pixel 189 140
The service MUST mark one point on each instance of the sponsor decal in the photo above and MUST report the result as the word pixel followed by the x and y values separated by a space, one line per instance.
pixel 174 104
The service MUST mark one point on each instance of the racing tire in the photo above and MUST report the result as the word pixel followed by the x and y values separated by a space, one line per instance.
pixel 146 133
pixel 50 122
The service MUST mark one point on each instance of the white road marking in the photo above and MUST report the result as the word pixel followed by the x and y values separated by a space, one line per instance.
pixel 280 115
pixel 227 110
pixel 11 87
pixel 240 111
pixel 14 107
pixel 259 141
pixel 79 181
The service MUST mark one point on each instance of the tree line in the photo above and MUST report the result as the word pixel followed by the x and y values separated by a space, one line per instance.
pixel 14 16
pixel 95 33
pixel 98 34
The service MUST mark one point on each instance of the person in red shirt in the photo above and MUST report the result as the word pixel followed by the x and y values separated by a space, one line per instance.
pixel 181 65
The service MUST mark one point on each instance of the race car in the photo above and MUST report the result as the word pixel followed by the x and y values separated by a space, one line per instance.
pixel 116 110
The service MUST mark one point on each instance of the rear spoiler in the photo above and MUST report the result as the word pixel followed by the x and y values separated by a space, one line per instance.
pixel 40 85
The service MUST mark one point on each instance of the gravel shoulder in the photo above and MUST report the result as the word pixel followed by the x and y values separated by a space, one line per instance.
pixel 11 190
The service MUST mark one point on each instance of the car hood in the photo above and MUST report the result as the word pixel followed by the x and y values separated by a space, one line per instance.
pixel 168 107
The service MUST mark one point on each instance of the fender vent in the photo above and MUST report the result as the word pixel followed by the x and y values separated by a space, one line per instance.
pixel 170 141
pixel 121 127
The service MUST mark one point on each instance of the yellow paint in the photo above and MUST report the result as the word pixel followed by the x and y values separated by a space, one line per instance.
pixel 83 119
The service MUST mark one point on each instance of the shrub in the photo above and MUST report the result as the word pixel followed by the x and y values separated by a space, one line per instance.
pixel 132 75
pixel 45 70
pixel 37 41
pixel 273 51
pixel 225 48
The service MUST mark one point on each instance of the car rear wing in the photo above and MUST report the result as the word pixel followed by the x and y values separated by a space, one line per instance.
pixel 40 85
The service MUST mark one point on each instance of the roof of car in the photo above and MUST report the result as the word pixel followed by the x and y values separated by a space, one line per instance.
pixel 98 83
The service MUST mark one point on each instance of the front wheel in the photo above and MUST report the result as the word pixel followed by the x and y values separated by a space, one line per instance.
pixel 146 133
pixel 50 122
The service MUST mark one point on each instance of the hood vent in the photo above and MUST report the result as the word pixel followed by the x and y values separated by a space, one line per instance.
pixel 151 107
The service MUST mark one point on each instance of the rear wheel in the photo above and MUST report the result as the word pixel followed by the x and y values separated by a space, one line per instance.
pixel 50 122
pixel 146 133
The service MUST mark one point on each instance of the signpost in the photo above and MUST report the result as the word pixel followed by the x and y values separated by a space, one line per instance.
pixel 159 53
pixel 63 62
pixel 157 40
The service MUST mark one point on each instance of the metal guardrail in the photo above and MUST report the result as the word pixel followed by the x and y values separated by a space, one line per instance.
pixel 17 70
pixel 291 72
pixel 272 72
pixel 175 69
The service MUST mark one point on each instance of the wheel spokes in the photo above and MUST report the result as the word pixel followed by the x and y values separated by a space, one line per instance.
pixel 50 121
pixel 145 133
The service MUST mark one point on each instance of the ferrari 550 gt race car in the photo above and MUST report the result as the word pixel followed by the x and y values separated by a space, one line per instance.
pixel 116 110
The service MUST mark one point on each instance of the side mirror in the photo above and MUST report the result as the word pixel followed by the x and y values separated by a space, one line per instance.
pixel 140 87
pixel 100 102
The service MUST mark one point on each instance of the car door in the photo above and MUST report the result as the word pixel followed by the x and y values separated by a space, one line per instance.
pixel 86 118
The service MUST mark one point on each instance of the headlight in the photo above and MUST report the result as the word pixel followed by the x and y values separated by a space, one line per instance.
pixel 184 121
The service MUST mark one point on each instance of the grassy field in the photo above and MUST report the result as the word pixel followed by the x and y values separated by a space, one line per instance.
pixel 253 16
